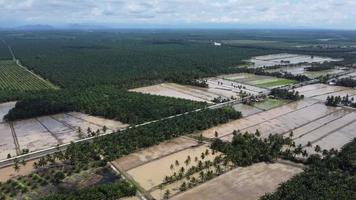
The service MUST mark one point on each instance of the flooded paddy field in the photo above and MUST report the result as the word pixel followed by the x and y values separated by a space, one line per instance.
pixel 331 132
pixel 309 119
pixel 49 131
pixel 285 58
pixel 300 70
pixel 33 136
pixel 258 81
pixel 246 110
pixel 160 168
pixel 350 75
pixel 253 120
pixel 139 158
pixel 287 122
pixel 243 183
pixel 322 91
pixel 236 87
pixel 270 103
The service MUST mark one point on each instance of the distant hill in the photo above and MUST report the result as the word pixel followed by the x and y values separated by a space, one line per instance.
pixel 35 27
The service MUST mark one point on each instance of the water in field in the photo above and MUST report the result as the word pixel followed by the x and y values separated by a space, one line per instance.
pixel 285 59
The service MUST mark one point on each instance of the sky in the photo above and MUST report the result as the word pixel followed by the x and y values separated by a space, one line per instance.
pixel 332 14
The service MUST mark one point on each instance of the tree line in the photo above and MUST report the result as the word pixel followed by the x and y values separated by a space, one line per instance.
pixel 286 94
pixel 116 190
pixel 107 101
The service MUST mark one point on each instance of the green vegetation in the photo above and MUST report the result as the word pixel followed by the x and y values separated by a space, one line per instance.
pixel 286 94
pixel 270 103
pixel 346 82
pixel 106 191
pixel 274 83
pixel 107 101
pixel 196 170
pixel 247 149
pixel 14 77
pixel 332 177
pixel 338 100
pixel 321 66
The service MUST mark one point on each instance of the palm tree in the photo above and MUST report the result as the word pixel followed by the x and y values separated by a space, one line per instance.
pixel 317 148
pixel 16 165
pixel 166 194
pixel 105 129
pixel 23 162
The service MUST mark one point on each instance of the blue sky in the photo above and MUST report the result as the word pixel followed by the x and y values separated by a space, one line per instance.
pixel 182 13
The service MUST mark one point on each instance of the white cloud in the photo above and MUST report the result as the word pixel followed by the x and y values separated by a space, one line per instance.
pixel 317 13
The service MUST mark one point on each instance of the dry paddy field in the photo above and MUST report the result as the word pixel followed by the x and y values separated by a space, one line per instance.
pixel 47 131
pixel 159 168
pixel 163 149
pixel 243 183
pixel 149 167
pixel 309 119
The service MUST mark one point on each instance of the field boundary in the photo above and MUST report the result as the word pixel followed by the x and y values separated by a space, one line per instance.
pixel 16 141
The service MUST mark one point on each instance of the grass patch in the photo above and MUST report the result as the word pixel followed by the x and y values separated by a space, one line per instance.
pixel 271 83
pixel 270 103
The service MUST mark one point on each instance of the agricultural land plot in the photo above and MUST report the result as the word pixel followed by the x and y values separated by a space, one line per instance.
pixel 160 168
pixel 243 183
pixel 272 83
pixel 7 173
pixel 322 91
pixel 5 108
pixel 270 103
pixel 110 124
pixel 232 88
pixel 350 75
pixel 319 89
pixel 139 158
pixel 289 121
pixel 253 120
pixel 278 59
pixel 332 134
pixel 61 132
pixel 171 90
pixel 338 138
pixel 48 131
pixel 7 144
pixel 76 123
pixel 350 92
pixel 236 87
pixel 33 136
pixel 300 70
pixel 258 80
pixel 246 110
pixel 15 77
